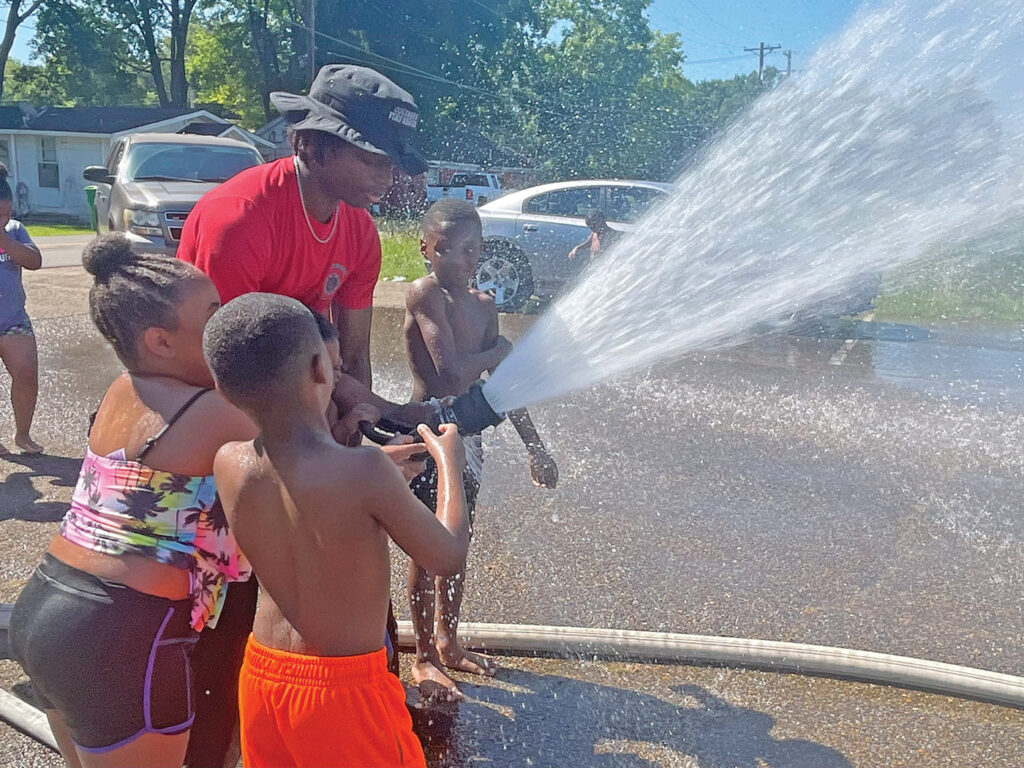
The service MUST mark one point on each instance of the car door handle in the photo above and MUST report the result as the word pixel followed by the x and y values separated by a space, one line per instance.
pixel 530 227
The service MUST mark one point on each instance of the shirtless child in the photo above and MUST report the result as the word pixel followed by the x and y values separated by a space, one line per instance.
pixel 314 518
pixel 451 338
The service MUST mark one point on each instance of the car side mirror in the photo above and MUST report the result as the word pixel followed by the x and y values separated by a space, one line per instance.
pixel 98 173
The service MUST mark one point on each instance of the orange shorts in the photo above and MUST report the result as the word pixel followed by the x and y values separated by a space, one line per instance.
pixel 323 712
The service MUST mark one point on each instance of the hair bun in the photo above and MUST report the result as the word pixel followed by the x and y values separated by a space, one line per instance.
pixel 4 173
pixel 106 255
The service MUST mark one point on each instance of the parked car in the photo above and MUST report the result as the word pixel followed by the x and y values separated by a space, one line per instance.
pixel 151 181
pixel 477 188
pixel 528 234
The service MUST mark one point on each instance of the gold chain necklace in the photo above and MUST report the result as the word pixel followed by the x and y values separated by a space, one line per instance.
pixel 302 199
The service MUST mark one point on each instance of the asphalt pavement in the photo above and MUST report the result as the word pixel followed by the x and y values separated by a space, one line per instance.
pixel 857 485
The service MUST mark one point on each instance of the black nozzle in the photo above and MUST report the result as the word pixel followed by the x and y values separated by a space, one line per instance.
pixel 386 430
pixel 471 412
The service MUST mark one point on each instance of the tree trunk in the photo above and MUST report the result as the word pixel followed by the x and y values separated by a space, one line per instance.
pixel 143 20
pixel 14 20
pixel 181 17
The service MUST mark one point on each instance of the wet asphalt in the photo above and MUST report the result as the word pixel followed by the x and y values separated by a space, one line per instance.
pixel 854 484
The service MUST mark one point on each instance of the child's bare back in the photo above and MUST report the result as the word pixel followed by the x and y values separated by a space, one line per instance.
pixel 296 513
pixel 314 518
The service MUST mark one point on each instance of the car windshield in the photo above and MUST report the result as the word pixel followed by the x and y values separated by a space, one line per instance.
pixel 187 162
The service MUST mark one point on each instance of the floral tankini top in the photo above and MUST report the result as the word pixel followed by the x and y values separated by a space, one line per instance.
pixel 122 507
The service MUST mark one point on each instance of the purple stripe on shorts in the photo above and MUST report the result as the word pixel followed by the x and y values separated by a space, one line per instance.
pixel 147 691
pixel 172 730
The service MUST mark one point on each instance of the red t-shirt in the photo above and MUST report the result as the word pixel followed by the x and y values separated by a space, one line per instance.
pixel 250 234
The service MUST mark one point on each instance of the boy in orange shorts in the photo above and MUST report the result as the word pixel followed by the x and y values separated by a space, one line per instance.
pixel 314 519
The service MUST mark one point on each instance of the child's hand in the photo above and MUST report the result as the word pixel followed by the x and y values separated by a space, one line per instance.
pixel 543 470
pixel 407 455
pixel 446 446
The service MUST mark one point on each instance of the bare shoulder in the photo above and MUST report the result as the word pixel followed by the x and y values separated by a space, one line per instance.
pixel 234 465
pixel 224 422
pixel 358 469
pixel 422 292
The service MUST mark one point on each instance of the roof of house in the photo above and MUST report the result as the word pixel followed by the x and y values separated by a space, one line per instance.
pixel 100 119
pixel 89 119
pixel 11 117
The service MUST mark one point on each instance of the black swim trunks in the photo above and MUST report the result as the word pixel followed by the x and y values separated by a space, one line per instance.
pixel 424 485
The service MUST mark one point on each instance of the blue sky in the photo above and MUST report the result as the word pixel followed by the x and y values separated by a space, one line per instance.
pixel 715 29
pixel 721 29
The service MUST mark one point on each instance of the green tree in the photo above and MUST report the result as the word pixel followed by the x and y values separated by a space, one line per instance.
pixel 85 61
pixel 18 12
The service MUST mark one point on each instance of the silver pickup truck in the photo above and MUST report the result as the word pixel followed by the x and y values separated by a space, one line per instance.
pixel 151 181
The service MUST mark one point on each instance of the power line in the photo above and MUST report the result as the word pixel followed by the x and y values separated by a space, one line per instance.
pixel 761 50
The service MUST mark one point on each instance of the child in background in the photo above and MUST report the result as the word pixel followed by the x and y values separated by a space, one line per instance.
pixel 451 338
pixel 600 238
pixel 17 339
pixel 314 689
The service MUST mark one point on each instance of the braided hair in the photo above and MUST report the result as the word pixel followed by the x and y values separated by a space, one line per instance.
pixel 132 292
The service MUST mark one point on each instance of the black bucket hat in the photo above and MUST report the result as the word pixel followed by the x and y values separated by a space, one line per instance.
pixel 362 107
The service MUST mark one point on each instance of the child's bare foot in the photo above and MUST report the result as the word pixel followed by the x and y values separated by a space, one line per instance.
pixel 435 686
pixel 456 658
pixel 27 445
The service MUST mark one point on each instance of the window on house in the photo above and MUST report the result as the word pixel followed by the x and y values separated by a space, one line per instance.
pixel 49 174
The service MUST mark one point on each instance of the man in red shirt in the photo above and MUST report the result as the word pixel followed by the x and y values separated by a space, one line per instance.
pixel 299 227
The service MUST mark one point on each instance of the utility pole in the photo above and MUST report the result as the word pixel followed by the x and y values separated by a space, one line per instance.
pixel 789 62
pixel 312 40
pixel 761 50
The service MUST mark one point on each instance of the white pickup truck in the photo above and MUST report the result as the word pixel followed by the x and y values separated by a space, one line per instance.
pixel 477 188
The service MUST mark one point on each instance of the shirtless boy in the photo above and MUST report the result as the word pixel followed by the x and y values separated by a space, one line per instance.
pixel 451 338
pixel 314 518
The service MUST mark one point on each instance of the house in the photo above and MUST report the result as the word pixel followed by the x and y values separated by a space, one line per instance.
pixel 46 149
pixel 276 132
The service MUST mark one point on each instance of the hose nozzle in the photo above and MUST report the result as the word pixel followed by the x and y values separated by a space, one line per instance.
pixel 471 412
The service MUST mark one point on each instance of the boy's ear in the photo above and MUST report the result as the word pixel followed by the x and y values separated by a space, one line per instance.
pixel 321 369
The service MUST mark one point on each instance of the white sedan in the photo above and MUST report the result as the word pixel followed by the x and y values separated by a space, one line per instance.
pixel 528 234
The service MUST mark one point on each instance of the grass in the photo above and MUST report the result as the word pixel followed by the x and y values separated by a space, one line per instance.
pixel 983 282
pixel 46 230
pixel 400 250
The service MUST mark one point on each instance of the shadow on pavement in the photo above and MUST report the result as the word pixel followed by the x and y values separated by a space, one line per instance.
pixel 525 719
pixel 20 496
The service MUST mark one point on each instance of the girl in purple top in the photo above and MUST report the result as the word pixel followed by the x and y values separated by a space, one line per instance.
pixel 17 340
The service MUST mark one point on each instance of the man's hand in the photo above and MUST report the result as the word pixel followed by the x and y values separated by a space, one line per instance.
pixel 407 455
pixel 574 253
pixel 346 429
pixel 543 470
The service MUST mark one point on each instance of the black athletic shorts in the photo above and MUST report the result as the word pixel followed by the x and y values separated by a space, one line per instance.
pixel 112 661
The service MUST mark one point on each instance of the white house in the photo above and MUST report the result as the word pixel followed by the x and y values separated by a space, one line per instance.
pixel 47 149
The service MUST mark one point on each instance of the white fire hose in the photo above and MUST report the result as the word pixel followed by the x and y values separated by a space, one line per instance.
pixel 625 645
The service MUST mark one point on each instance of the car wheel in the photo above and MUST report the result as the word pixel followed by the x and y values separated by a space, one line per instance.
pixel 505 273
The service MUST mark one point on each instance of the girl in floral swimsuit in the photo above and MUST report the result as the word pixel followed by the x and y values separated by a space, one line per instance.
pixel 106 625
